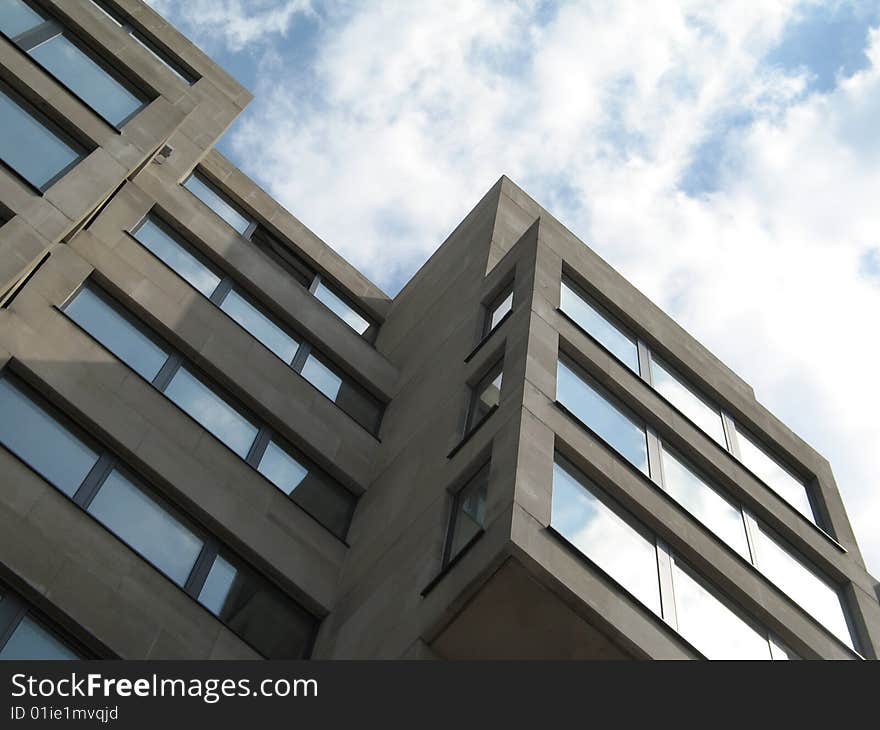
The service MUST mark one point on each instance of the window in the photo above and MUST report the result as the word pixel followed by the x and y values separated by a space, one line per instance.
pixel 31 146
pixel 326 501
pixel 63 56
pixel 468 515
pixel 815 594
pixel 151 46
pixel 498 310
pixel 704 502
pixel 600 326
pixel 294 266
pixel 39 440
pixel 158 238
pixel 252 607
pixel 715 628
pixel 340 308
pixel 595 525
pixel 773 474
pixel 255 610
pixel 485 398
pixel 149 529
pixel 683 397
pixel 599 531
pixel 216 201
pixel 589 403
pixel 25 635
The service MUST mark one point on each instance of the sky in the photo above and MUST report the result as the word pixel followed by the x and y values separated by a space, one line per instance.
pixel 724 157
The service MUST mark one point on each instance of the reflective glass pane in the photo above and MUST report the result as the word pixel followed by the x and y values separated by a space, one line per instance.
pixel 215 202
pixel 708 623
pixel 40 441
pixel 257 611
pixel 16 16
pixel 104 9
pixel 32 641
pixel 116 333
pixel 322 377
pixel 687 401
pixel 605 537
pixel 773 474
pixel 600 327
pixel 705 503
pixel 801 584
pixel 501 311
pixel 328 502
pixel 341 309
pixel 212 412
pixel 470 516
pixel 80 73
pixel 487 399
pixel 164 246
pixel 29 148
pixel 155 53
pixel 259 325
pixel 146 527
pixel 607 420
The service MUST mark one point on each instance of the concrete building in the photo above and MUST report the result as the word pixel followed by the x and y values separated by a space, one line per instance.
pixel 220 440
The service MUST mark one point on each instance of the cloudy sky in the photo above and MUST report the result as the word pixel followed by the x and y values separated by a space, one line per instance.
pixel 725 157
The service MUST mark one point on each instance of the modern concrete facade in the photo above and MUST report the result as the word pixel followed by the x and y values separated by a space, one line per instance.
pixel 394 582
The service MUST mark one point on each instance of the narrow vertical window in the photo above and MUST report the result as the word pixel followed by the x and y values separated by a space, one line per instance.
pixel 497 311
pixel 485 397
pixel 468 515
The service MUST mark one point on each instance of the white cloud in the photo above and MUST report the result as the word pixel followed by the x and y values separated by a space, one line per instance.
pixel 410 111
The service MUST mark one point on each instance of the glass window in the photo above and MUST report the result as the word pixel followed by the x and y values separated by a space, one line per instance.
pixel 97 317
pixel 31 641
pixel 260 326
pixel 500 311
pixel 322 377
pixel 709 624
pixel 149 529
pixel 705 503
pixel 326 501
pixel 486 396
pixel 41 442
pixel 597 530
pixel 469 513
pixel 599 325
pixel 341 309
pixel 814 594
pixel 283 256
pixel 87 79
pixel 257 611
pixel 608 421
pixel 29 147
pixel 16 17
pixel 773 474
pixel 687 401
pixel 156 238
pixel 216 202
pixel 212 412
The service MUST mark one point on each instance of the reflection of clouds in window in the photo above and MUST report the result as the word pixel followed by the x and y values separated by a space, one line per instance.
pixel 212 412
pixel 155 239
pixel 710 625
pixel 591 320
pixel 604 537
pixel 342 310
pixel 706 504
pixel 601 416
pixel 322 377
pixel 807 589
pixel 500 311
pixel 773 474
pixel 688 402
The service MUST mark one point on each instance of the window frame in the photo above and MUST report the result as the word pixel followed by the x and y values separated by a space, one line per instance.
pixel 472 422
pixel 129 26
pixel 51 28
pixel 14 608
pixel 227 283
pixel 91 485
pixel 53 128
pixel 479 477
pixel 493 305
pixel 175 362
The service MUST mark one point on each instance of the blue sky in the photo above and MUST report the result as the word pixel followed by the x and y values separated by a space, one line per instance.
pixel 723 156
